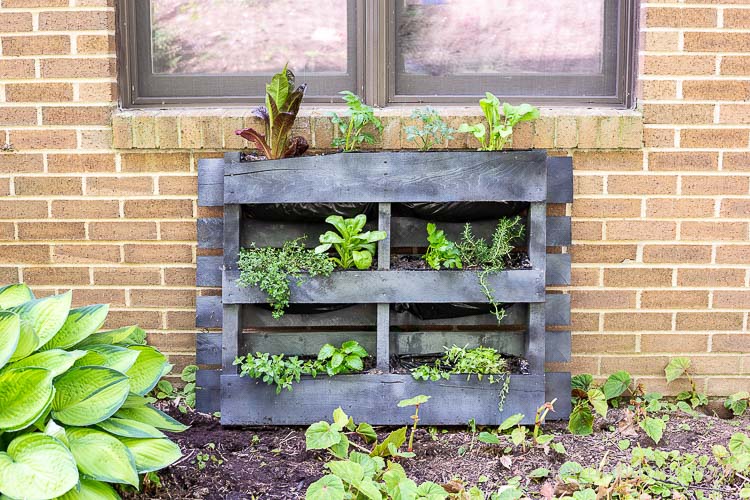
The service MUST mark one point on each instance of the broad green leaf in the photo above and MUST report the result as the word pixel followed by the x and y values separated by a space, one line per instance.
pixel 739 444
pixel 25 394
pixel 126 335
pixel 109 356
pixel 398 487
pixel 28 341
pixel 86 395
pixel 321 435
pixel 129 428
pixel 599 401
pixel 91 490
pixel 188 373
pixel 10 333
pixel 152 454
pixel 15 295
pixel 582 382
pixel 101 456
pixel 80 323
pixel 654 427
pixel 151 416
pixel 737 403
pixel 538 473
pixel 341 449
pixel 37 466
pixel 431 491
pixel 373 236
pixel 56 361
pixel 581 420
pixel 623 444
pixel 676 368
pixel 340 418
pixel 511 421
pixel 518 435
pixel 354 363
pixel 616 384
pixel 46 315
pixel 362 259
pixel 396 438
pixel 330 237
pixel 337 359
pixel 136 401
pixel 328 487
pixel 349 472
pixel 488 438
pixel 56 431
pixel 150 366
pixel 415 401
pixel 277 90
pixel 370 466
pixel 367 432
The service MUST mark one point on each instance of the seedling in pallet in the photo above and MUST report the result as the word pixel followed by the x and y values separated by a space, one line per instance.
pixel 415 402
pixel 354 248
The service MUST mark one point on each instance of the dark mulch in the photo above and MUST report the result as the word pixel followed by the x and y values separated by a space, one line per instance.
pixel 272 463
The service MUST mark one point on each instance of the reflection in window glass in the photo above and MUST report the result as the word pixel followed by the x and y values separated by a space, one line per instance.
pixel 455 37
pixel 248 36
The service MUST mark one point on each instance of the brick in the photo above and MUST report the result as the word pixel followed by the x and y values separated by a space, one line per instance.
pixel 735 65
pixel 14 163
pixel 85 297
pixel 712 231
pixel 678 65
pixel 732 342
pixel 80 163
pixel 718 386
pixel 659 137
pixel 85 209
pixel 180 276
pixel 15 22
pixel 165 298
pixel 675 17
pixel 584 322
pixel 735 208
pixel 76 115
pixel 587 230
pixel 658 89
pixel 178 185
pixel 96 139
pixel 28 4
pixel 678 113
pixel 65 276
pixel 76 20
pixel 719 185
pixel 735 114
pixel 680 208
pixel 636 365
pixel 38 92
pixel 717 42
pixel 671 343
pixel 7 231
pixel 78 68
pixel 122 231
pixel 679 161
pixel 51 231
pixel 584 276
pixel 566 132
pixel 637 278
pixel 144 319
pixel 17 68
pixel 731 299
pixel 603 343
pixel 662 41
pixel 577 364
pixel 98 92
pixel 674 299
pixel 714 138
pixel 608 160
pixel 33 186
pixel 127 276
pixel 602 299
pixel 182 320
pixel 716 90
pixel 23 209
pixel 4 187
pixel 162 209
pixel 637 321
pixel 710 277
pixel 155 162
pixel 36 45
pixel 708 321
pixel 641 230
pixel 86 254
pixel 9 275
pixel 588 132
pixel 144 131
pixel 606 208
pixel 733 254
pixel 24 254
pixel 179 231
pixel 739 162
pixel 119 186
pixel 142 253
pixel 43 139
pixel 95 44
pixel 190 132
pixel 167 132
pixel 588 184
pixel 602 253
pixel 642 184
pixel 631 132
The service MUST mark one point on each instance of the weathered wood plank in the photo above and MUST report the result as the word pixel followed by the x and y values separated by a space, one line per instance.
pixel 208 349
pixel 398 286
pixel 558 269
pixel 557 386
pixel 373 398
pixel 355 316
pixel 232 235
pixel 210 232
pixel 208 391
pixel 559 179
pixel 557 346
pixel 390 177
pixel 208 311
pixel 558 231
pixel 208 270
pixel 210 182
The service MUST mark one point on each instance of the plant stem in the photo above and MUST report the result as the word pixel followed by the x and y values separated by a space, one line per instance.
pixel 414 417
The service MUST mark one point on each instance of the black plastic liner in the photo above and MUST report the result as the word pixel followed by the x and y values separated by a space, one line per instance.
pixel 308 308
pixel 462 211
pixel 445 311
pixel 307 212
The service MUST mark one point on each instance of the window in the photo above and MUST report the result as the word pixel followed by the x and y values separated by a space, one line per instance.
pixel 389 51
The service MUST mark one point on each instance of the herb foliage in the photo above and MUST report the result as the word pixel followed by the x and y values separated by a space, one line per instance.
pixel 500 122
pixel 352 126
pixel 354 248
pixel 434 131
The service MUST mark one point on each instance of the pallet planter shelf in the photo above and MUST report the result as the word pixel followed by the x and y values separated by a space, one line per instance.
pixel 534 327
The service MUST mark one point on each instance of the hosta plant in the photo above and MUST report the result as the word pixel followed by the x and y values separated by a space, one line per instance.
pixel 74 415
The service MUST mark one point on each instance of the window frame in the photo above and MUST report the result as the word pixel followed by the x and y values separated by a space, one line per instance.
pixel 374 74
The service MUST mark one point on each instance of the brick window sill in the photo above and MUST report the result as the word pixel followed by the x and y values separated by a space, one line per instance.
pixel 213 129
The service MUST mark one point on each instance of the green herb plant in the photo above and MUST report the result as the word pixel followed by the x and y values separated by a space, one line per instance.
pixel 352 127
pixel 354 248
pixel 272 269
pixel 434 130
pixel 737 403
pixel 183 398
pixel 209 456
pixel 678 367
pixel 519 433
pixel 416 401
pixel 441 253
pixel 336 360
pixel 500 122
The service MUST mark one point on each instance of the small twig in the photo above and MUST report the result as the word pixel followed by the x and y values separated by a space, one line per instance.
pixel 186 457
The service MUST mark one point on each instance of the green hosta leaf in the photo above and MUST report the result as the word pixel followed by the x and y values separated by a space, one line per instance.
pixel 396 438
pixel 14 295
pixel 321 435
pixel 616 384
pixel 129 428
pixel 511 421
pixel 415 401
pixel 87 395
pixel 431 491
pixel 654 427
pixel 126 335
pixel 54 430
pixel 57 361
pixel 150 366
pixel 488 437
pixel 367 432
pixel 152 454
pixel 328 487
pixel 109 356
pixel 10 333
pixel 28 341
pixel 581 420
pixel 676 368
pixel 25 394
pixel 151 416
pixel 91 490
pixel 37 466
pixel 80 323
pixel 102 457
pixel 599 401
pixel 46 315
pixel 582 382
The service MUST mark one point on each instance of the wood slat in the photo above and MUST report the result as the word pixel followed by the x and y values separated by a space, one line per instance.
pixel 557 386
pixel 559 179
pixel 558 269
pixel 208 391
pixel 390 177
pixel 208 311
pixel 210 182
pixel 208 270
pixel 210 233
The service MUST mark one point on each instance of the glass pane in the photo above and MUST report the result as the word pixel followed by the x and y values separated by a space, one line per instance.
pixel 469 37
pixel 249 36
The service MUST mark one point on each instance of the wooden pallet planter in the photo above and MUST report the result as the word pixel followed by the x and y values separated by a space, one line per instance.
pixel 535 326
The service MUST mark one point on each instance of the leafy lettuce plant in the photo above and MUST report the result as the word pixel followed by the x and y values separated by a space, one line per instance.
pixel 74 415
pixel 354 248
pixel 352 129
pixel 282 105
pixel 441 252
pixel 500 122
